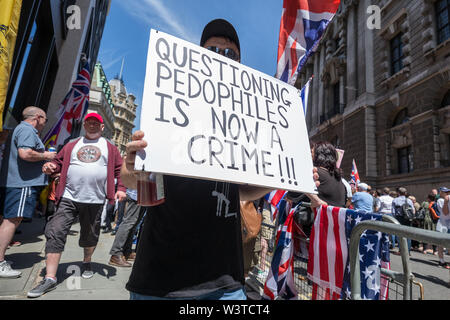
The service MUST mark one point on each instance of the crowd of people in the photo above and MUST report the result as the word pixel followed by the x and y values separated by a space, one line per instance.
pixel 431 214
pixel 191 246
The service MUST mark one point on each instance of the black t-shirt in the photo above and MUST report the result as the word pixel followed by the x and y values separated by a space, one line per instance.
pixel 331 191
pixel 191 244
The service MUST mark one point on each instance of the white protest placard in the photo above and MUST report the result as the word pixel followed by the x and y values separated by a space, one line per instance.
pixel 207 116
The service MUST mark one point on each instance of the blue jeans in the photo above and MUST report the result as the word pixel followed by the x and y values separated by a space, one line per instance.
pixel 216 295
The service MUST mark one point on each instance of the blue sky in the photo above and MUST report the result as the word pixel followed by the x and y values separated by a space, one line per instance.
pixel 128 25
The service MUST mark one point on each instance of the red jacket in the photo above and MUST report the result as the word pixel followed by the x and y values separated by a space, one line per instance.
pixel 62 162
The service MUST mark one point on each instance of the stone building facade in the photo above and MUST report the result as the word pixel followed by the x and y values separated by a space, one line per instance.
pixel 100 101
pixel 125 113
pixel 383 95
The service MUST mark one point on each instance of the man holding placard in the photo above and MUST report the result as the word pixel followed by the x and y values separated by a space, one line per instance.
pixel 191 246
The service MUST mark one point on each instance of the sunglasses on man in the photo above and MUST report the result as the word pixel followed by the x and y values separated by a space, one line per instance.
pixel 227 52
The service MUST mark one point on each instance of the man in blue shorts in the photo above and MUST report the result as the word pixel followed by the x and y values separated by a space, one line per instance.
pixel 21 178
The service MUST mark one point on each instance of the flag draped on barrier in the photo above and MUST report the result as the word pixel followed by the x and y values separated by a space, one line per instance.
pixel 303 23
pixel 329 263
pixel 72 109
pixel 9 26
pixel 280 280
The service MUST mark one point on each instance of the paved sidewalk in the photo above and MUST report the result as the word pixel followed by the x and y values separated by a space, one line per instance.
pixel 108 282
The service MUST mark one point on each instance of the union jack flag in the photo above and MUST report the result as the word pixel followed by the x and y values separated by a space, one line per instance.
pixel 280 280
pixel 329 265
pixel 355 175
pixel 73 108
pixel 303 23
pixel 274 199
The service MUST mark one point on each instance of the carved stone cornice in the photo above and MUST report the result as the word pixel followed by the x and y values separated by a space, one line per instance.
pixel 344 9
pixel 333 69
pixel 401 136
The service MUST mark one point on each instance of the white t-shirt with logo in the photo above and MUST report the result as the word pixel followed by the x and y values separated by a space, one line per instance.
pixel 86 177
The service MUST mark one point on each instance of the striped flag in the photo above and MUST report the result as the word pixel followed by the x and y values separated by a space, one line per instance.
pixel 72 109
pixel 355 175
pixel 328 253
pixel 280 280
pixel 274 198
pixel 329 261
pixel 303 23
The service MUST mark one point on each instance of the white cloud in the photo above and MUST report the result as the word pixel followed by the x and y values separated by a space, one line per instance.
pixel 155 13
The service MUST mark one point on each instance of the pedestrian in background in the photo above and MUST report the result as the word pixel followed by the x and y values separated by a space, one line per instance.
pixel 121 250
pixel 398 211
pixel 376 200
pixel 386 202
pixel 21 179
pixel 363 200
pixel 443 224
pixel 416 223
pixel 88 167
pixel 428 223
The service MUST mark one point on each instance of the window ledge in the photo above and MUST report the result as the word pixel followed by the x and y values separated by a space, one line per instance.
pixel 397 78
pixel 442 50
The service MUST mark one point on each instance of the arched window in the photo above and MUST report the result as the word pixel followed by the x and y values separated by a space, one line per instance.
pixel 402 117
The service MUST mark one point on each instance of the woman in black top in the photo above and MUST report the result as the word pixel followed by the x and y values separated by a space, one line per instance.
pixel 331 189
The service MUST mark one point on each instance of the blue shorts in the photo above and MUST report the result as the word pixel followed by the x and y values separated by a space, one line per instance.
pixel 19 202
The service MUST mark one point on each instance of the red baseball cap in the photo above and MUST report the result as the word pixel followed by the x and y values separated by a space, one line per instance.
pixel 94 115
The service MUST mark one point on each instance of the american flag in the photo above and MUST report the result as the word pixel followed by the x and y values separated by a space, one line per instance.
pixel 73 108
pixel 274 198
pixel 355 175
pixel 328 265
pixel 280 280
pixel 303 23
pixel 373 255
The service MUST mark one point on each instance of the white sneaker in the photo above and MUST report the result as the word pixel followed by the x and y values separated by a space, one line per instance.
pixel 7 272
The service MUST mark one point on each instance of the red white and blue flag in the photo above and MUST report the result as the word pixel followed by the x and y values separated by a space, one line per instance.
pixel 280 280
pixel 355 175
pixel 274 199
pixel 73 108
pixel 329 263
pixel 303 23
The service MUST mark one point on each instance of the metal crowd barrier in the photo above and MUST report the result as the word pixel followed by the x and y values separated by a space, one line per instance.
pixel 390 225
pixel 400 282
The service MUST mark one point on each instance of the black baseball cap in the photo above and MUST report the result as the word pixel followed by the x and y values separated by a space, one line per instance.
pixel 220 28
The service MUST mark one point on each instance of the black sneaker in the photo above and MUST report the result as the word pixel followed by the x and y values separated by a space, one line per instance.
pixel 44 286
pixel 87 271
pixel 444 265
